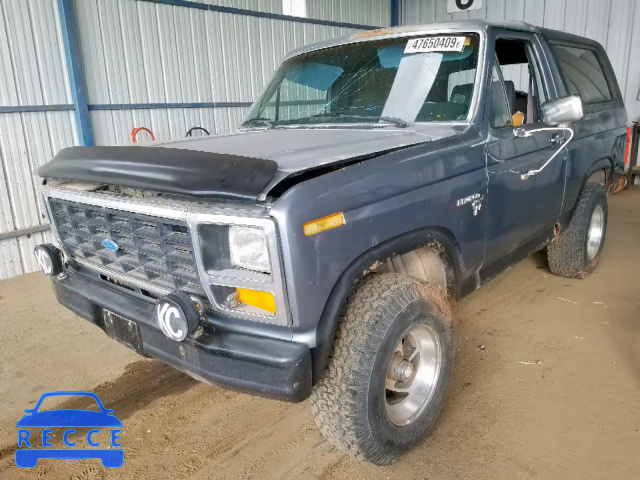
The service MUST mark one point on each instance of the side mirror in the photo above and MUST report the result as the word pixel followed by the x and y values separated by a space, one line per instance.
pixel 562 111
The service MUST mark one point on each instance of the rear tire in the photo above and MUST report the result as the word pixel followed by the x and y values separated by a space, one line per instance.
pixel 389 370
pixel 576 252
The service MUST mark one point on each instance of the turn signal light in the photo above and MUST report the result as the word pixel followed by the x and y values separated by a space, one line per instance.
pixel 626 154
pixel 257 298
pixel 322 224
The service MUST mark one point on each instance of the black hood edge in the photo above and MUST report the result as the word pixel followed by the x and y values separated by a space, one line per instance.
pixel 166 170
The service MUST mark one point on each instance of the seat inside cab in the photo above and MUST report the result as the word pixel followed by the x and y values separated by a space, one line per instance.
pixel 521 80
pixel 452 92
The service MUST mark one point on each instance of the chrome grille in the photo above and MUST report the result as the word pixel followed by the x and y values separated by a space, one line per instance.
pixel 151 252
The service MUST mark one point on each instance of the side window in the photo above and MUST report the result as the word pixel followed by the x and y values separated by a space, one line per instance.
pixel 583 74
pixel 522 79
pixel 500 113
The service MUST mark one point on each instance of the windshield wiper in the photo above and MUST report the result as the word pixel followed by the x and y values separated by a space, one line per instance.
pixel 398 122
pixel 258 121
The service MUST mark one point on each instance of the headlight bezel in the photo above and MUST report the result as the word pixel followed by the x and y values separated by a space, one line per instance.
pixel 218 275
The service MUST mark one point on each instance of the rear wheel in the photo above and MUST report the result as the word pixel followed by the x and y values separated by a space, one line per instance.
pixel 576 252
pixel 389 370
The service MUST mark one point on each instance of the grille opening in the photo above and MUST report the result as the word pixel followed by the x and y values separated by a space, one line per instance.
pixel 149 294
pixel 182 251
pixel 117 282
pixel 148 226
pixel 179 229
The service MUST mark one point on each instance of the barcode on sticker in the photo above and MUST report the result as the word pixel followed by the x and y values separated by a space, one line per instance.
pixel 435 44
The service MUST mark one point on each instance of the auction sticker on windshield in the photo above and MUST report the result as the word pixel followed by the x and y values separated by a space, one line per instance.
pixel 435 44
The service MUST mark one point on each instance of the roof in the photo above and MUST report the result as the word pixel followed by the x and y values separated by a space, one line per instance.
pixel 569 37
pixel 410 30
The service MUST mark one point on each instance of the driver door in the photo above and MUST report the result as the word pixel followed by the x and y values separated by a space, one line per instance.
pixel 522 211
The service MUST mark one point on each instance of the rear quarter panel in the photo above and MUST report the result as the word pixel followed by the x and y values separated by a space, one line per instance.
pixel 600 137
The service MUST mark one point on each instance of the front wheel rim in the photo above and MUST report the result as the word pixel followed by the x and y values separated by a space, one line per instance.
pixel 595 233
pixel 412 375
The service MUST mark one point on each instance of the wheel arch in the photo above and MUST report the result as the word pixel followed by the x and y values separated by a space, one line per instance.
pixel 600 171
pixel 439 239
pixel 594 173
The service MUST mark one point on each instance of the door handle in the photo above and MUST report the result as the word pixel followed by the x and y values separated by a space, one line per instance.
pixel 556 139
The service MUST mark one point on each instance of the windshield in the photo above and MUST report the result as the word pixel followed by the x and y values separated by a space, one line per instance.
pixel 427 78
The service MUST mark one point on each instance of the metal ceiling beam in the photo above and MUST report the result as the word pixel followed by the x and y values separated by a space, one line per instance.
pixel 255 13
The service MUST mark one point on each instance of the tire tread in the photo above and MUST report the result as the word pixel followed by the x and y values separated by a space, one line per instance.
pixel 366 317
pixel 566 255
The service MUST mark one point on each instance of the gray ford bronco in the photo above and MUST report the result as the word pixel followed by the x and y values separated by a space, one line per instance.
pixel 315 251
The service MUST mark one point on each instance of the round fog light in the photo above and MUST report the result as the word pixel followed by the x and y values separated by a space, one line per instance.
pixel 178 315
pixel 49 259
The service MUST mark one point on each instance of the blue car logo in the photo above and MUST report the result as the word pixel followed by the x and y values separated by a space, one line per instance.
pixel 69 419
pixel 110 245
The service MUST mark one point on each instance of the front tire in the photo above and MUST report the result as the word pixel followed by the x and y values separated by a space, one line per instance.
pixel 576 252
pixel 389 370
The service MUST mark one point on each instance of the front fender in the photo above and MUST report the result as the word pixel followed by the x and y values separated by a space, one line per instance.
pixel 382 199
pixel 439 239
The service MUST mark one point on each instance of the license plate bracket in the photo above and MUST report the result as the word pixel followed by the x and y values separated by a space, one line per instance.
pixel 125 331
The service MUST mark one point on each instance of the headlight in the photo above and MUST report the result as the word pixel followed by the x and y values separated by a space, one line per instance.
pixel 248 249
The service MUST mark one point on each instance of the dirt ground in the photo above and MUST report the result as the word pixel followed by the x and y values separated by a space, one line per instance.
pixel 546 385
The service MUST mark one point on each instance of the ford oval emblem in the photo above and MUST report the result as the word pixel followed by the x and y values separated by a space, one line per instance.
pixel 110 245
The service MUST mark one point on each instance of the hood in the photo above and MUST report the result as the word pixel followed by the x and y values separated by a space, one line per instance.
pixel 297 149
pixel 245 164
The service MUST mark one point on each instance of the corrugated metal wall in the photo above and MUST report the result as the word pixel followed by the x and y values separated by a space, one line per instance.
pixel 190 56
pixel 134 52
pixel 32 72
pixel 365 12
pixel 368 12
pixel 610 22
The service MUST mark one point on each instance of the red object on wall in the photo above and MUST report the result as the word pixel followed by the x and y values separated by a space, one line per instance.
pixel 135 131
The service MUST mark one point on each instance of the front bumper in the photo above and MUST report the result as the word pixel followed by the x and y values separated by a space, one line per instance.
pixel 257 365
